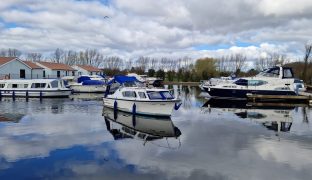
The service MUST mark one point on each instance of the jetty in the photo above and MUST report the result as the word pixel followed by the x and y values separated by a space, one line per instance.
pixel 303 97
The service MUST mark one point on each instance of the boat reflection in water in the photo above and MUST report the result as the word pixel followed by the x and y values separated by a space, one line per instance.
pixel 11 118
pixel 273 116
pixel 124 125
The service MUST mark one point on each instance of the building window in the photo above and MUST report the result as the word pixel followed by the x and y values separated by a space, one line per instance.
pixel 58 74
pixel 22 73
pixel 44 73
pixel 73 73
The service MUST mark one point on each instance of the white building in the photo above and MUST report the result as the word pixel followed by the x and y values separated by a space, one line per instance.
pixel 87 70
pixel 14 68
pixel 56 70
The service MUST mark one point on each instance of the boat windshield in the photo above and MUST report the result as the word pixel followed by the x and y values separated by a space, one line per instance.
pixel 272 72
pixel 159 95
pixel 133 84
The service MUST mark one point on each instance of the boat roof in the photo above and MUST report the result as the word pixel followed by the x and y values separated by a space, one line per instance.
pixel 28 80
pixel 123 79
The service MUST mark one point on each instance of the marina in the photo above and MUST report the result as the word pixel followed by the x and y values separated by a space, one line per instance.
pixel 77 137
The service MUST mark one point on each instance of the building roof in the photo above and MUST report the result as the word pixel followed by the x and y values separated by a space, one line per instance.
pixel 89 68
pixel 32 65
pixel 4 60
pixel 57 66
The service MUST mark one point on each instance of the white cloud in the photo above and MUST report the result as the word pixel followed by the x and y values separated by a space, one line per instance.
pixel 165 27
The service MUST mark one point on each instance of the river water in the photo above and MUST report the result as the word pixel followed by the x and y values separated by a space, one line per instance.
pixel 79 139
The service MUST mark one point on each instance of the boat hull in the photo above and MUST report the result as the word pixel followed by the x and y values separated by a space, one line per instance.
pixel 150 108
pixel 242 93
pixel 88 89
pixel 36 93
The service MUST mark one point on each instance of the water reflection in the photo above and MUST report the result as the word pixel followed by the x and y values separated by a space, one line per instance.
pixel 274 117
pixel 125 125
pixel 70 139
pixel 10 117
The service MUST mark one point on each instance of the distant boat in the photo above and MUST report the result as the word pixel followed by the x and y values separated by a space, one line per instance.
pixel 34 88
pixel 148 81
pixel 128 94
pixel 274 81
pixel 87 84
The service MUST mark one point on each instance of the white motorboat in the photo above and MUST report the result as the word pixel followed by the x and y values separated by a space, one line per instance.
pixel 125 125
pixel 88 84
pixel 33 88
pixel 274 81
pixel 128 94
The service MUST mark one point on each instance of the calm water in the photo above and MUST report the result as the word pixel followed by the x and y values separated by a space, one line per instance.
pixel 77 139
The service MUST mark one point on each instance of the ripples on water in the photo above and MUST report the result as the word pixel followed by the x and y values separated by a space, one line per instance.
pixel 76 139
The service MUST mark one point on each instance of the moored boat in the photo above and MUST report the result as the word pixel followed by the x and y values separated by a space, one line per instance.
pixel 46 88
pixel 88 84
pixel 128 94
pixel 274 81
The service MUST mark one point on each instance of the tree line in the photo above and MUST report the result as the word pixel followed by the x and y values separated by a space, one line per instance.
pixel 172 69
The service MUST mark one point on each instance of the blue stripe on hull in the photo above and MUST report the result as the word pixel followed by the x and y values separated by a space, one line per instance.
pixel 241 94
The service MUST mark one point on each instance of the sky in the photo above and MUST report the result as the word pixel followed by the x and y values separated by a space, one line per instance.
pixel 171 28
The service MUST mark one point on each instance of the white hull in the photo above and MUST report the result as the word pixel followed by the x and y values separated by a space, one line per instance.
pixel 153 108
pixel 88 88
pixel 35 93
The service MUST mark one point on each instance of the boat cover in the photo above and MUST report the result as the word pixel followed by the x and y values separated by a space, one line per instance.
pixel 83 78
pixel 93 82
pixel 122 79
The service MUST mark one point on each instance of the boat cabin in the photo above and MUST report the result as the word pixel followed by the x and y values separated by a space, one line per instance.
pixel 134 89
pixel 32 84
pixel 278 72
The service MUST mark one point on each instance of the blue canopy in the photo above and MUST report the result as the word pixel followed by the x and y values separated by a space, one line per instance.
pixel 122 79
pixel 83 78
pixel 93 82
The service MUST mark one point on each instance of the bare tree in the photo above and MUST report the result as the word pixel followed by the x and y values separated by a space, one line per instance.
pixel 237 62
pixel 308 48
pixel 113 62
pixel 272 59
pixel 10 53
pixel 58 55
pixel 143 62
pixel 34 56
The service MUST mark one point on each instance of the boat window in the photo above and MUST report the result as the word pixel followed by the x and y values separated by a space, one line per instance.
pixel 287 73
pixel 25 85
pixel 272 72
pixel 256 82
pixel 129 94
pixel 241 82
pixel 38 85
pixel 14 85
pixel 142 95
pixel 54 84
pixel 155 95
pixel 167 95
pixel 2 85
